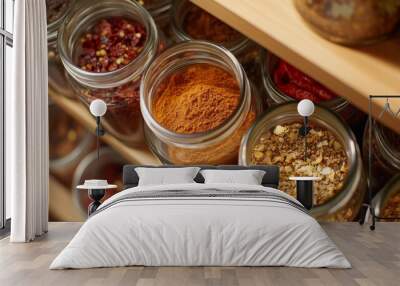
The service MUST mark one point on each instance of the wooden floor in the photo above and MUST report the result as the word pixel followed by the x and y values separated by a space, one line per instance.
pixel 375 257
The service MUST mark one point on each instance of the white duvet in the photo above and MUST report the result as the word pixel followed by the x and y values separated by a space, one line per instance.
pixel 204 231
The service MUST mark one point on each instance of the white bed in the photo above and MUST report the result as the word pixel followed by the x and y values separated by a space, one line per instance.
pixel 224 225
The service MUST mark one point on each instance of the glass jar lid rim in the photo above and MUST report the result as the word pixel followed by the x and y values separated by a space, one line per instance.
pixel 184 47
pixel 127 73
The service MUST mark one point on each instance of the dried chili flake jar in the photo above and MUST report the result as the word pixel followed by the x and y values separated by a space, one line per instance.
pixel 105 47
pixel 387 202
pixel 333 155
pixel 197 103
pixel 284 83
pixel 190 22
pixel 385 154
pixel 56 12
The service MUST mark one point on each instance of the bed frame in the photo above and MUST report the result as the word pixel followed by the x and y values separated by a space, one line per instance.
pixel 271 178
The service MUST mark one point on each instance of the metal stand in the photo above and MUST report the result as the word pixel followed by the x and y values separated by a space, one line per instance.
pixel 305 193
pixel 367 206
pixel 99 132
pixel 95 195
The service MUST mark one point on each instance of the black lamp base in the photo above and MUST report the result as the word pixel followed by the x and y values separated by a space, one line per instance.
pixel 96 195
pixel 305 193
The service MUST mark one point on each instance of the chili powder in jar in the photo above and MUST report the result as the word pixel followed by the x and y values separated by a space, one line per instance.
pixel 198 99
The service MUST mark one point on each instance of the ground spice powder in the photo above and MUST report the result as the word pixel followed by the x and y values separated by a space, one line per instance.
pixel 196 99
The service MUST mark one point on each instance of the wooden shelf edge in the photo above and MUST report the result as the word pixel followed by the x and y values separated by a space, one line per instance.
pixel 139 155
pixel 354 73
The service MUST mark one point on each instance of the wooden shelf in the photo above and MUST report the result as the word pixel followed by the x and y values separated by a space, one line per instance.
pixel 139 155
pixel 354 73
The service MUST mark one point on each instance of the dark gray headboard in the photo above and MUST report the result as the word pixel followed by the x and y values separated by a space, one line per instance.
pixel 271 177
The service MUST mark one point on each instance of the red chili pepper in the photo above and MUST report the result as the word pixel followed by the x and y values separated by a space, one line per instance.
pixel 297 93
pixel 307 83
pixel 285 74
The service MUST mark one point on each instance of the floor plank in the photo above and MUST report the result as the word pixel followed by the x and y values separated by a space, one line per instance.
pixel 375 257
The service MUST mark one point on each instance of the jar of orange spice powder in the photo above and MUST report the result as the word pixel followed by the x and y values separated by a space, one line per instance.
pixel 197 103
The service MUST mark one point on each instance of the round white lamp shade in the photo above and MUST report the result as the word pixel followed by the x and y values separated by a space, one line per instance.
pixel 305 107
pixel 98 107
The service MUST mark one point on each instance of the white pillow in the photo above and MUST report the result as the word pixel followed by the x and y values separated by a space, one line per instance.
pixel 248 177
pixel 164 176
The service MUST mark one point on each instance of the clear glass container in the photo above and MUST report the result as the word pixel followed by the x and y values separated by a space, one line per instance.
pixel 274 96
pixel 216 146
pixel 56 12
pixel 351 22
pixel 69 142
pixel 243 48
pixel 385 154
pixel 118 88
pixel 160 10
pixel 345 204
pixel 387 202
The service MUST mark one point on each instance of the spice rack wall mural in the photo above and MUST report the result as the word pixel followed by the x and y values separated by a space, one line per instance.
pixel 178 92
pixel 383 198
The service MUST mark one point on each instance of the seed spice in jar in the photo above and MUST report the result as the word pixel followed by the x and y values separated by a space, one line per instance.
pixel 111 44
pixel 284 146
pixel 195 100
pixel 201 25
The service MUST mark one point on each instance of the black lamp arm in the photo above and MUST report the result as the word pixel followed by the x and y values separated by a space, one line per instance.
pixel 99 130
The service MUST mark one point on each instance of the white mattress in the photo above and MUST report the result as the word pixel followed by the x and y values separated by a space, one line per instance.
pixel 189 231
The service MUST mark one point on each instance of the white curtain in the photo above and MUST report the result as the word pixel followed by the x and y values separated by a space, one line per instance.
pixel 27 124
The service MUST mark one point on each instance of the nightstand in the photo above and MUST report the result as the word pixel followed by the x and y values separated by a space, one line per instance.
pixel 96 190
pixel 304 190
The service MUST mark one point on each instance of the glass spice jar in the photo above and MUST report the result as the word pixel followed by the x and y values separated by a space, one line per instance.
pixel 351 22
pixel 160 11
pixel 271 74
pixel 69 142
pixel 387 202
pixel 385 147
pixel 215 145
pixel 190 22
pixel 105 47
pixel 339 195
pixel 56 12
pixel 107 167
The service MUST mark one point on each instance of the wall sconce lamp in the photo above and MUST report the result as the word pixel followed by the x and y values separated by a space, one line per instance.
pixel 305 108
pixel 98 108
